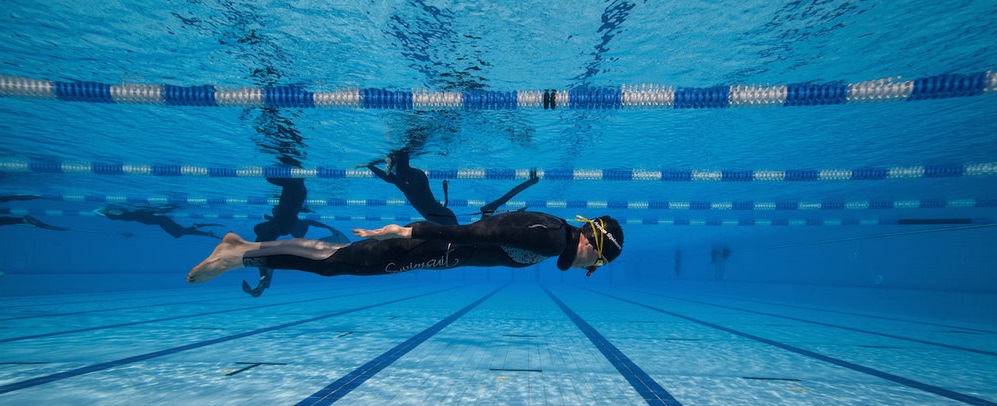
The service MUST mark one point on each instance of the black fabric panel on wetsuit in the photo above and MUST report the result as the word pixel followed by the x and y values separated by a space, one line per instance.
pixel 537 232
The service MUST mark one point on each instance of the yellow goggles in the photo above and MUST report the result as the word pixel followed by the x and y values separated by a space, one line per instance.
pixel 599 235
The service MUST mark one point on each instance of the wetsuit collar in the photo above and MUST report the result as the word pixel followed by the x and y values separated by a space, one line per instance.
pixel 567 257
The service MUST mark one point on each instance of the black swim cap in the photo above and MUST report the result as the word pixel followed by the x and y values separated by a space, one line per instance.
pixel 612 234
pixel 400 158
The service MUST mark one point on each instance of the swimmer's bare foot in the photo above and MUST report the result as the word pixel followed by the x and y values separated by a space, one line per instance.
pixel 226 256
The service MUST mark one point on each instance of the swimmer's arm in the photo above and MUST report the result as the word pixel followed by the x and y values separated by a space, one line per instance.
pixel 379 172
pixel 384 233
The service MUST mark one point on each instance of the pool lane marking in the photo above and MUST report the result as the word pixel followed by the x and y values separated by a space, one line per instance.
pixel 123 298
pixel 925 323
pixel 343 386
pixel 647 387
pixel 819 323
pixel 133 323
pixel 170 351
pixel 132 307
pixel 961 397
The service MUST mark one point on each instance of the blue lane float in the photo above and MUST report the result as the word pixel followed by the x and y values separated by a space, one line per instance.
pixel 14 165
pixel 640 96
pixel 782 205
pixel 778 222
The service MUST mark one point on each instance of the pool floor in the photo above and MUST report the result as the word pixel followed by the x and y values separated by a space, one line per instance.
pixel 362 341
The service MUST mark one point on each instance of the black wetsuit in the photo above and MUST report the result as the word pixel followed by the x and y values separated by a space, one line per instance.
pixel 285 214
pixel 415 185
pixel 516 239
pixel 7 221
pixel 285 219
pixel 152 218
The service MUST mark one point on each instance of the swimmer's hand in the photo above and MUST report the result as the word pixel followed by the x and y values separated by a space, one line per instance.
pixel 384 233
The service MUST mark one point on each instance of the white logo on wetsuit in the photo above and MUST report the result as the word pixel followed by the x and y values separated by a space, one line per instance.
pixel 437 263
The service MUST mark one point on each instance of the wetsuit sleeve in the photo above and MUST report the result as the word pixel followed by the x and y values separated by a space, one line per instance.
pixel 380 173
pixel 537 238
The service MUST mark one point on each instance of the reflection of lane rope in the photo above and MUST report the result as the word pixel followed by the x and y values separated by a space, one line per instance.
pixel 649 96
pixel 737 222
pixel 621 174
pixel 736 206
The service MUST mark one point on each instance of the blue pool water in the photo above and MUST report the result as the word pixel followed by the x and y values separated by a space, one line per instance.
pixel 844 153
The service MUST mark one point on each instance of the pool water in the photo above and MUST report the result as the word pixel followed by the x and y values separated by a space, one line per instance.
pixel 806 189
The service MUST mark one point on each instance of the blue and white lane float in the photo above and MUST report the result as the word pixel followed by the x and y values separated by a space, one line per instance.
pixel 638 96
pixel 740 222
pixel 740 205
pixel 615 174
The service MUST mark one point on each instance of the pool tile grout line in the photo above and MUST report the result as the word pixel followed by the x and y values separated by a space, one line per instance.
pixel 155 354
pixel 12 307
pixel 123 308
pixel 870 316
pixel 961 397
pixel 343 386
pixel 648 388
pixel 819 323
pixel 134 323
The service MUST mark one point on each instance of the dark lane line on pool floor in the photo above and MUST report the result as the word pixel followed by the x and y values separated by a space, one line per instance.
pixel 190 302
pixel 647 387
pixel 343 386
pixel 170 351
pixel 820 323
pixel 870 316
pixel 134 323
pixel 962 397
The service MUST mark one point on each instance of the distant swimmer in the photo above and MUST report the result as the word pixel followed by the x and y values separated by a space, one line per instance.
pixel 414 184
pixel 5 199
pixel 718 256
pixel 31 221
pixel 156 217
pixel 9 221
pixel 284 221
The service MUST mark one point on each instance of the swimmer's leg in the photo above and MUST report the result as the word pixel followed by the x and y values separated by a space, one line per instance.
pixel 489 209
pixel 33 221
pixel 300 247
pixel 234 251
pixel 226 257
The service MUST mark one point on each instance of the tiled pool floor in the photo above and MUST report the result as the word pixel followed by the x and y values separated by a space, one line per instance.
pixel 364 341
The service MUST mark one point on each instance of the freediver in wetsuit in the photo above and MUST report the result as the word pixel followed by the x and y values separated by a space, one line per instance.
pixel 27 219
pixel 285 221
pixel 9 221
pixel 415 185
pixel 155 217
pixel 515 239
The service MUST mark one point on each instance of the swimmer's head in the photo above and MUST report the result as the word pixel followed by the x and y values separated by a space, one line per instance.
pixel 606 237
pixel 396 160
